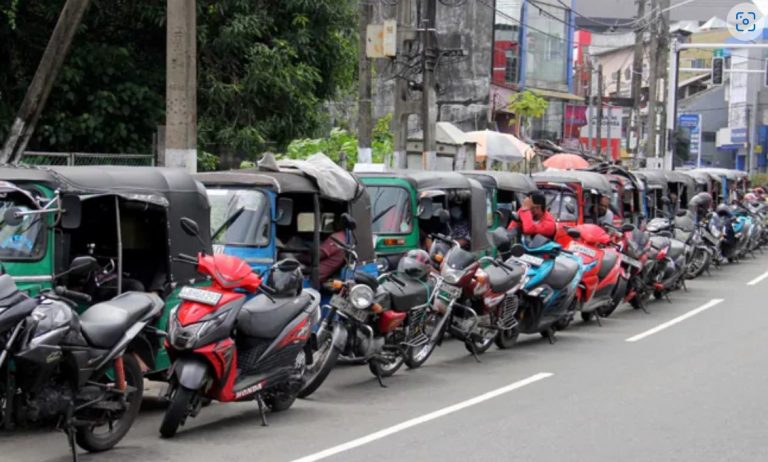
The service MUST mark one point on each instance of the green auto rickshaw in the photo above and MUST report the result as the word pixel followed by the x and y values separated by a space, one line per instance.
pixel 505 193
pixel 406 205
pixel 127 218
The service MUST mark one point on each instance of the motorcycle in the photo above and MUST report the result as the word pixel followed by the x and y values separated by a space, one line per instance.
pixel 79 373
pixel 634 246
pixel 667 265
pixel 602 287
pixel 229 346
pixel 736 233
pixel 687 230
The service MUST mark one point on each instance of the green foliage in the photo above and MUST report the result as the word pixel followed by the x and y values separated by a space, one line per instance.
pixel 527 105
pixel 382 139
pixel 681 144
pixel 759 179
pixel 264 70
pixel 207 162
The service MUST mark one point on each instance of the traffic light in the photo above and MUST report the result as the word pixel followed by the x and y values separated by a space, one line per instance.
pixel 717 71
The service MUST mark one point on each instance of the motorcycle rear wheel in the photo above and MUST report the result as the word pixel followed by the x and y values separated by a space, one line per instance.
pixel 323 361
pixel 178 410
pixel 87 437
pixel 481 345
pixel 506 339
pixel 382 367
pixel 279 401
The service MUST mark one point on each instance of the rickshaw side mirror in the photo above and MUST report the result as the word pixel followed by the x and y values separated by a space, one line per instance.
pixel 284 215
pixel 444 216
pixel 517 250
pixel 425 208
pixel 73 211
pixel 190 226
pixel 626 228
pixel 81 265
pixel 348 222
pixel 13 217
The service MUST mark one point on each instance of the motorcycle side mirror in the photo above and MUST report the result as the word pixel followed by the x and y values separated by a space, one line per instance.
pixel 13 216
pixel 190 227
pixel 81 265
pixel 284 215
pixel 287 265
pixel 626 228
pixel 73 211
pixel 425 208
pixel 573 233
pixel 517 250
pixel 682 213
pixel 348 222
pixel 444 216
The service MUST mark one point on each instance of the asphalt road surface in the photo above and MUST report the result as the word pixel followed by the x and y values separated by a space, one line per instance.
pixel 686 382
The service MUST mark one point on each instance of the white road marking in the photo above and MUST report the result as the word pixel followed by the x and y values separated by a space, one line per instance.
pixel 422 419
pixel 661 327
pixel 758 279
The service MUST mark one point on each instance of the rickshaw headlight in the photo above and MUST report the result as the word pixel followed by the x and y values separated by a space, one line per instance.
pixel 361 296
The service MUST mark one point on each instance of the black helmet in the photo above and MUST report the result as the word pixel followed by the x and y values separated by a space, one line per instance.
pixel 724 210
pixel 702 200
pixel 285 278
pixel 415 263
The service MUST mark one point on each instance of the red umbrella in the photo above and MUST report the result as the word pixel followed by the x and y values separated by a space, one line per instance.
pixel 566 162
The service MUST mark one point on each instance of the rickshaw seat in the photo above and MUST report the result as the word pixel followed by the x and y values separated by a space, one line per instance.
pixel 104 323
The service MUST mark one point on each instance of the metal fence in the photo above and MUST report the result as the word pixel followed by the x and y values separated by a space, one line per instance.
pixel 82 158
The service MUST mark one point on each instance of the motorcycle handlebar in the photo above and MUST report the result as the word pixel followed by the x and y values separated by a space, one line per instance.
pixel 184 258
pixel 73 295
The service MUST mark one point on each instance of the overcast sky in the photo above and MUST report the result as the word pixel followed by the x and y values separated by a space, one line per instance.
pixel 697 9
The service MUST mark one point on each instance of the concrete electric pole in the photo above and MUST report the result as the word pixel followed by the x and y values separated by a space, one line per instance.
pixel 404 106
pixel 653 76
pixel 637 78
pixel 364 123
pixel 181 85
pixel 428 94
pixel 600 86
pixel 40 88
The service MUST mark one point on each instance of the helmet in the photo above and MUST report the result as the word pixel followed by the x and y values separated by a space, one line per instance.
pixel 724 210
pixel 415 263
pixel 701 200
pixel 750 197
pixel 286 278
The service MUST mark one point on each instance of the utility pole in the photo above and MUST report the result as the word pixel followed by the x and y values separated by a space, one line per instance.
pixel 404 106
pixel 40 88
pixel 651 142
pixel 181 85
pixel 663 71
pixel 637 78
pixel 428 94
pixel 600 84
pixel 364 124
pixel 590 109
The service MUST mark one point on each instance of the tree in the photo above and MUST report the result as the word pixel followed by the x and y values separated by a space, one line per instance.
pixel 526 106
pixel 681 143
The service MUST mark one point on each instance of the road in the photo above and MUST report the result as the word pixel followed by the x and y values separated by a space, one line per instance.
pixel 692 391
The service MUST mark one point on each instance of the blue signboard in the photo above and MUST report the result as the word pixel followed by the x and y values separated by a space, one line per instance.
pixel 692 123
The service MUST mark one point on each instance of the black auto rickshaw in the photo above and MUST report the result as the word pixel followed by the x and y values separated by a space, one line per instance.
pixel 406 208
pixel 126 218
pixel 681 188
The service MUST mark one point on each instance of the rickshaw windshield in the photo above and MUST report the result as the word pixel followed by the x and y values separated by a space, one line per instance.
pixel 26 240
pixel 562 204
pixel 391 210
pixel 239 217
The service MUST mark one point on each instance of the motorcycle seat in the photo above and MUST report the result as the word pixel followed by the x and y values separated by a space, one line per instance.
pixel 562 273
pixel 659 242
pixel 501 279
pixel 9 293
pixel 103 324
pixel 264 318
pixel 408 295
pixel 609 260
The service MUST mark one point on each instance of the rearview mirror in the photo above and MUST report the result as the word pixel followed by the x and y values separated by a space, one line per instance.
pixel 13 217
pixel 73 211
pixel 81 265
pixel 626 228
pixel 425 208
pixel 517 250
pixel 573 233
pixel 284 215
pixel 190 226
pixel 348 222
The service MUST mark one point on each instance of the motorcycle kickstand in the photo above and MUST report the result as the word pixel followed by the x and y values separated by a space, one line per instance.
pixel 71 440
pixel 379 378
pixel 260 402
pixel 597 319
pixel 473 350
pixel 551 336
pixel 666 297
pixel 685 286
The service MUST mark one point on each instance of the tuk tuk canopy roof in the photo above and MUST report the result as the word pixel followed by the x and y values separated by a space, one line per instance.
pixel 252 177
pixel 425 180
pixel 655 179
pixel 676 176
pixel 588 180
pixel 505 181
pixel 731 175
pixel 702 177
pixel 618 171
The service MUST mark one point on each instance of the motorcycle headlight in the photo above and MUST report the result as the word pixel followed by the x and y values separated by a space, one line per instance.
pixel 186 337
pixel 361 296
pixel 382 264
pixel 452 276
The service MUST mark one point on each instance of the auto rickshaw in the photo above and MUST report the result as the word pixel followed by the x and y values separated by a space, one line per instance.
pixel 707 182
pixel 628 201
pixel 406 207
pixel 656 190
pixel 681 187
pixel 505 190
pixel 127 218
pixel 732 181
pixel 572 197
pixel 288 210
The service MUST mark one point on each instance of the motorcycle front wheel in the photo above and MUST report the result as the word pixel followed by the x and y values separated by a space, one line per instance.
pixel 178 410
pixel 387 364
pixel 103 437
pixel 416 356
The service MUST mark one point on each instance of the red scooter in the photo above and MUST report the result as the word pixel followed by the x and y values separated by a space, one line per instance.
pixel 227 347
pixel 634 246
pixel 604 284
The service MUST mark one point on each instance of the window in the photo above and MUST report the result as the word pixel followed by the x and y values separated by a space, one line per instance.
pixel 240 217
pixel 699 63
pixel 510 69
pixel 708 137
pixel 562 204
pixel 391 210
pixel 25 240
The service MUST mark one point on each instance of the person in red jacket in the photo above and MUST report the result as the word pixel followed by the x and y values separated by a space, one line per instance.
pixel 534 217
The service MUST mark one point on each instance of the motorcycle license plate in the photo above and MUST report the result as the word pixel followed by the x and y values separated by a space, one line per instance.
pixel 582 249
pixel 531 260
pixel 631 262
pixel 450 292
